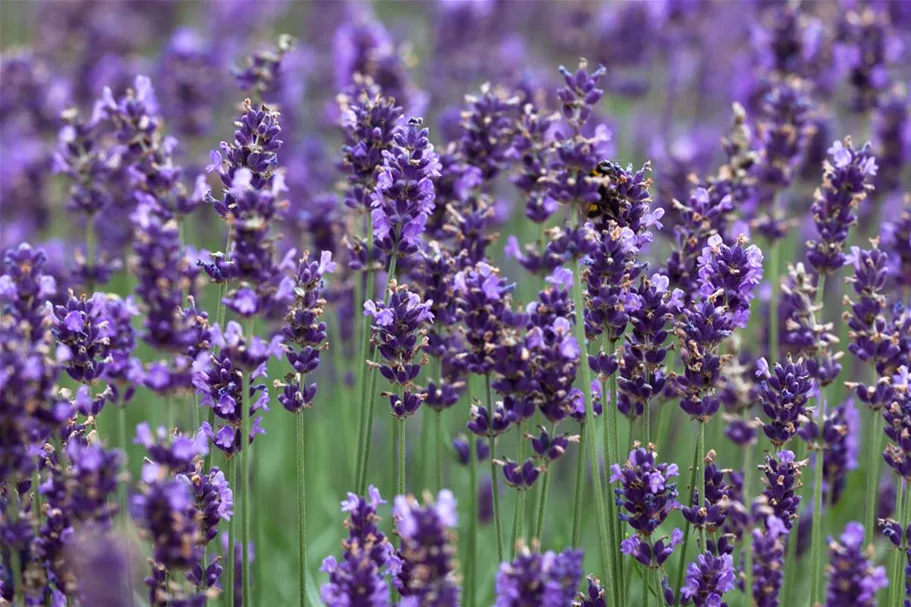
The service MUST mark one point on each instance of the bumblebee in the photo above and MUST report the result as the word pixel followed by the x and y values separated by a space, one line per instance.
pixel 608 205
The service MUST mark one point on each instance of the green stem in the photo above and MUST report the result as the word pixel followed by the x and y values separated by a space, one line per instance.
pixel 580 487
pixel 612 449
pixel 700 475
pixel 773 302
pixel 122 439
pixel 875 440
pixel 368 397
pixel 245 448
pixel 495 490
pixel 438 422
pixel 608 554
pixel 747 499
pixel 896 587
pixel 518 528
pixel 646 421
pixel 681 562
pixel 471 581
pixel 542 505
pixel 302 504
pixel 792 567
pixel 646 586
pixel 425 463
pixel 90 253
pixel 816 556
pixel 232 533
pixel 400 487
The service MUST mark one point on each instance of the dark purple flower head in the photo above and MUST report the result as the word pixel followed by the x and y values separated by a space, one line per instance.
pixel 646 491
pixel 262 69
pixel 897 417
pixel 729 276
pixel 783 394
pixel 781 479
pixel 840 437
pixel 404 196
pixel 481 423
pixel 87 554
pixel 711 511
pixel 359 579
pixel 768 562
pixel 784 130
pixel 864 50
pixel 520 475
pixel 461 447
pixel 369 122
pixel 708 579
pixel 651 554
pixel 550 448
pixel 581 93
pixel 428 576
pixel 847 178
pixel 162 510
pixel 609 279
pixel 398 331
pixel 534 579
pixel 135 117
pixel 892 137
pixel 177 453
pixel 592 596
pixel 84 328
pixel 254 147
pixel 188 82
pixel 487 130
pixel 92 481
pixel 853 580
pixel 482 299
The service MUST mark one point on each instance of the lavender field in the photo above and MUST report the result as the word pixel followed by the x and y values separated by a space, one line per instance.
pixel 481 303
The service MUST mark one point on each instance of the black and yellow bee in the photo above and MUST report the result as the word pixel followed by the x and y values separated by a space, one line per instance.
pixel 608 205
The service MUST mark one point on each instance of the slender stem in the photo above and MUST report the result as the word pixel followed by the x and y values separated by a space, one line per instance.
pixel 612 449
pixel 646 586
pixel 246 447
pixel 90 253
pixel 232 533
pixel 681 562
pixel 400 488
pixel 426 464
pixel 580 487
pixel 122 439
pixel 816 557
pixel 495 490
pixel 368 397
pixel 542 504
pixel 361 383
pixel 875 440
pixel 895 567
pixel 608 554
pixel 438 422
pixel 471 585
pixel 700 475
pixel 519 518
pixel 773 302
pixel 302 503
pixel 646 421
pixel 792 569
pixel 747 492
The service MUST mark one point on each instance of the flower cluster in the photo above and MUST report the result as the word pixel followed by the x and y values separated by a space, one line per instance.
pixel 537 579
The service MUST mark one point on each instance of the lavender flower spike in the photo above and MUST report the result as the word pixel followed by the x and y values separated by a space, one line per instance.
pixel 853 580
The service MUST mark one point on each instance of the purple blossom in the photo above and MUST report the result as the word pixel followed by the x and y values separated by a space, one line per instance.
pixel 534 579
pixel 708 579
pixel 853 580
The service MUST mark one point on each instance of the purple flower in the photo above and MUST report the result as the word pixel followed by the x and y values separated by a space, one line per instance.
pixel 262 69
pixel 781 480
pixel 646 492
pixel 768 562
pixel 853 580
pixel 520 476
pixel 82 325
pixel 708 579
pixel 487 131
pixel 784 396
pixel 729 275
pixel 162 511
pixel 581 93
pixel 404 196
pixel 539 580
pixel 427 553
pixel 359 579
pixel 846 180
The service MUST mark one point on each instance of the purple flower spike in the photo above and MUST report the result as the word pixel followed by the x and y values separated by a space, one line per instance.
pixel 520 476
pixel 539 579
pixel 853 580
pixel 427 553
pixel 847 179
pixel 784 396
pixel 404 197
pixel 708 579
pixel 646 492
